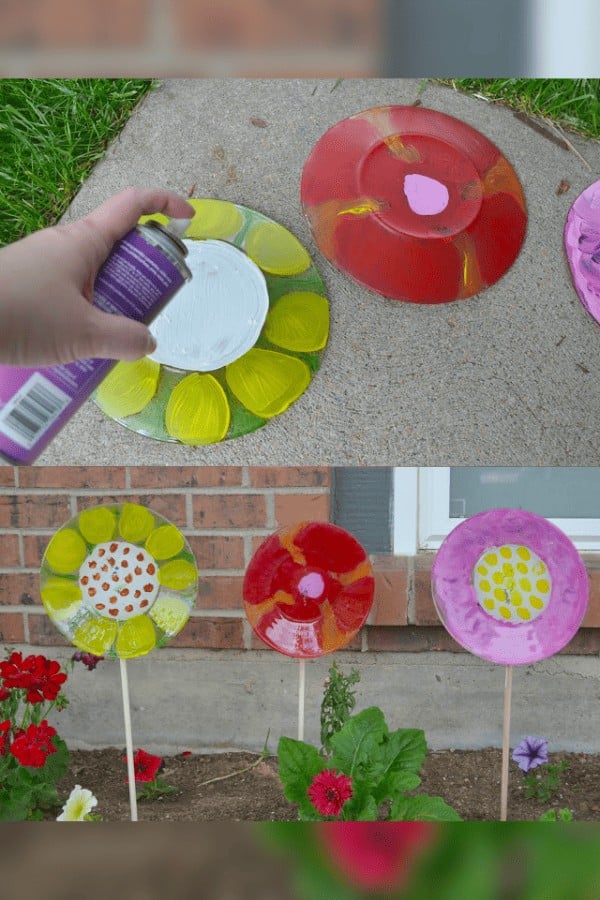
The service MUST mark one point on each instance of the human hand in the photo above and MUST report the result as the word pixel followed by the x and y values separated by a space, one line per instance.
pixel 47 283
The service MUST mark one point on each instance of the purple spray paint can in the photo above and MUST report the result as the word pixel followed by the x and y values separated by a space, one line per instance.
pixel 145 269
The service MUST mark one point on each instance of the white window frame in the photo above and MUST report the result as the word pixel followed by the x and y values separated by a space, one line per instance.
pixel 421 520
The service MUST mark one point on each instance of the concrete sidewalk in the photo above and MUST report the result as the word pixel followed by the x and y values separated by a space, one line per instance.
pixel 510 377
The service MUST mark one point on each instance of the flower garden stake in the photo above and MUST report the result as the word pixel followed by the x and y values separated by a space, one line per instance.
pixel 511 588
pixel 307 591
pixel 118 581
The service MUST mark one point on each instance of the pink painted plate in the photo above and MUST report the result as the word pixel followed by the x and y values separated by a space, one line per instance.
pixel 582 244
pixel 509 586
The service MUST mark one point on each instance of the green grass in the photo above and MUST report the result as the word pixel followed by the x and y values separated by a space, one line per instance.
pixel 574 104
pixel 51 134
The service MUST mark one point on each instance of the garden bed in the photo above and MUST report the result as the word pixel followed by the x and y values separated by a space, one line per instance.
pixel 469 780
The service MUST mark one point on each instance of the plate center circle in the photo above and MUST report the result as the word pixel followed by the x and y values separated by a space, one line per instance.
pixel 119 580
pixel 421 186
pixel 217 316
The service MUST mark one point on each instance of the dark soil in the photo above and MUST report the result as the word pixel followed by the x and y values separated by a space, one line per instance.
pixel 468 780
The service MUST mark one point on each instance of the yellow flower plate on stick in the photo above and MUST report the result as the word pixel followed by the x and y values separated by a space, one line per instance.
pixel 237 345
pixel 118 581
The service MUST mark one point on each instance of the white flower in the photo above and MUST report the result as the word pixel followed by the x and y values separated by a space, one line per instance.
pixel 80 803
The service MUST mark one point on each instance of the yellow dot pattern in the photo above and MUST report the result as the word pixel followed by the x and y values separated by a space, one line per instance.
pixel 512 584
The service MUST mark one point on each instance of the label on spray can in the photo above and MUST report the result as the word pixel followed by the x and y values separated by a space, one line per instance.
pixel 141 275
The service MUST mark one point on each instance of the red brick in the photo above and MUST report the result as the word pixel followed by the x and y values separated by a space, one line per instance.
pixel 34 547
pixel 185 476
pixel 20 588
pixel 410 640
pixel 43 632
pixel 585 643
pixel 171 506
pixel 220 592
pixel 104 478
pixel 289 476
pixel 7 476
pixel 12 630
pixel 38 511
pixel 217 552
pixel 293 508
pixel 211 634
pixel 592 616
pixel 9 551
pixel 425 611
pixel 390 606
pixel 262 24
pixel 61 23
pixel 229 511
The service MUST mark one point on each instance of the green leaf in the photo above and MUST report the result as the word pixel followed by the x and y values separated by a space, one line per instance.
pixel 361 808
pixel 358 742
pixel 403 751
pixel 398 783
pixel 298 765
pixel 423 808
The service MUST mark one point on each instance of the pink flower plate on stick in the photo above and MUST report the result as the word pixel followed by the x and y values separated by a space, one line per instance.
pixel 511 588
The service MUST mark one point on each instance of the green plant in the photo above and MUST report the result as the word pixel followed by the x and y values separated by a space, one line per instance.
pixel 543 785
pixel 32 756
pixel 368 777
pixel 338 702
pixel 557 815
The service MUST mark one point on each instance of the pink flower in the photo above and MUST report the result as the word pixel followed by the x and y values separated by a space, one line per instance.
pixel 328 792
pixel 375 856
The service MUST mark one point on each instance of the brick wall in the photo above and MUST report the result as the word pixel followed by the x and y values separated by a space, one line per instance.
pixel 225 514
pixel 327 38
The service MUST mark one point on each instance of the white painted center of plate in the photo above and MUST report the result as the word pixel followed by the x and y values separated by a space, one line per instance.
pixel 218 315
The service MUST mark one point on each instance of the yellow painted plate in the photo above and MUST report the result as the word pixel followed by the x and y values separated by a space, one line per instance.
pixel 201 408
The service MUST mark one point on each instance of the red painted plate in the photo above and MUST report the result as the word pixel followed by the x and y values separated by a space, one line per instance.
pixel 414 204
pixel 308 589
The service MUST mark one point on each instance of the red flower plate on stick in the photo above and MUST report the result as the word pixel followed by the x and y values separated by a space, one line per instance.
pixel 414 204
pixel 308 589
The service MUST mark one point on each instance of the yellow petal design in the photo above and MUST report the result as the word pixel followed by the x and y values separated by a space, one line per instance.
pixel 178 574
pixel 136 637
pixel 276 250
pixel 197 411
pixel 95 636
pixel 129 387
pixel 165 542
pixel 170 614
pixel 66 551
pixel 61 598
pixel 299 321
pixel 216 219
pixel 97 525
pixel 136 522
pixel 266 382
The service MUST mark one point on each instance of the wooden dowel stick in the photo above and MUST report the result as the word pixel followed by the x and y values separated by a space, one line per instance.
pixel 301 693
pixel 505 744
pixel 128 742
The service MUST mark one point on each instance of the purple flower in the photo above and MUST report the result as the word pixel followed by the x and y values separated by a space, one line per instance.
pixel 88 659
pixel 531 752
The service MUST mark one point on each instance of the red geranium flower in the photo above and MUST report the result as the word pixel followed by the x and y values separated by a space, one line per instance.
pixel 4 693
pixel 374 856
pixel 328 792
pixel 32 746
pixel 40 677
pixel 12 672
pixel 145 766
pixel 4 729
